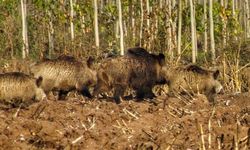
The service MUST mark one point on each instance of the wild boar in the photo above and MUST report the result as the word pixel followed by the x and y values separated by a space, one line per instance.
pixel 65 74
pixel 193 79
pixel 137 70
pixel 16 86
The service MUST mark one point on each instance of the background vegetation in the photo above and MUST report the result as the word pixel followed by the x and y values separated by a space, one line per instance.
pixel 199 31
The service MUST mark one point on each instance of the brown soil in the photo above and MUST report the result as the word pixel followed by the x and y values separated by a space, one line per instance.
pixel 78 123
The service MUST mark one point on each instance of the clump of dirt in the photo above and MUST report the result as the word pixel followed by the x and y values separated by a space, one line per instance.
pixel 79 123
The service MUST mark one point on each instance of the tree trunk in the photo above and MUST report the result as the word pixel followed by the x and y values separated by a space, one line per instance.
pixel 51 36
pixel 141 26
pixel 233 8
pixel 148 13
pixel 211 25
pixel 193 32
pixel 117 23
pixel 205 25
pixel 121 28
pixel 132 20
pixel 179 27
pixel 224 28
pixel 247 17
pixel 71 20
pixel 97 44
pixel 236 5
pixel 25 50
pixel 82 23
pixel 160 4
pixel 174 28
pixel 169 25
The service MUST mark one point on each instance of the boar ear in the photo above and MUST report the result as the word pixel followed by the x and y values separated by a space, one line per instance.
pixel 90 62
pixel 39 81
pixel 161 59
pixel 216 74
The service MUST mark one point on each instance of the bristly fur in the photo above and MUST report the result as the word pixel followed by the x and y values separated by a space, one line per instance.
pixel 138 51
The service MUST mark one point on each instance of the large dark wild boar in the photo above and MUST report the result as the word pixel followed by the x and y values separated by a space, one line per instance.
pixel 138 70
pixel 65 74
pixel 194 79
pixel 19 86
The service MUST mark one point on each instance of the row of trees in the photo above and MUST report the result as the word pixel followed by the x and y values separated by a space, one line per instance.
pixel 187 28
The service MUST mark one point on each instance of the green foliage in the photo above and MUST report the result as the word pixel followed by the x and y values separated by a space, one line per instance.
pixel 42 12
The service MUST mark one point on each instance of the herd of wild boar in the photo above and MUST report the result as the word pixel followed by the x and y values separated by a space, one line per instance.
pixel 137 70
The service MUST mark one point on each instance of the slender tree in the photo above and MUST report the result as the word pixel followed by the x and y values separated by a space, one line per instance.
pixel 50 32
pixel 121 28
pixel 193 31
pixel 25 51
pixel 148 12
pixel 224 24
pixel 174 26
pixel 247 18
pixel 117 30
pixel 97 44
pixel 169 31
pixel 160 3
pixel 205 24
pixel 132 19
pixel 71 20
pixel 141 26
pixel 211 25
pixel 179 27
pixel 233 8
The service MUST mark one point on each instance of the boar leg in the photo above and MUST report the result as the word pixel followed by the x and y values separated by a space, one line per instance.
pixel 211 98
pixel 149 93
pixel 62 94
pixel 119 92
pixel 16 102
pixel 85 92
pixel 140 94
pixel 144 92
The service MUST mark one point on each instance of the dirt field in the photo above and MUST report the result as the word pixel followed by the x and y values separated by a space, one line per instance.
pixel 78 123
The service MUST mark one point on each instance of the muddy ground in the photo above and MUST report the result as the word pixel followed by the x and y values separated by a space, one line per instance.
pixel 79 123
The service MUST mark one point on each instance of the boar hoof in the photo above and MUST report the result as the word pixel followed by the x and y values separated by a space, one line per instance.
pixel 85 92
pixel 62 95
pixel 117 100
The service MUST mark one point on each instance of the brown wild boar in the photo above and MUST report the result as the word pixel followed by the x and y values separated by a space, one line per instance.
pixel 193 79
pixel 138 70
pixel 65 74
pixel 19 86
